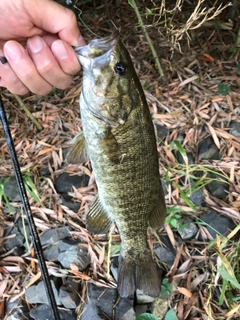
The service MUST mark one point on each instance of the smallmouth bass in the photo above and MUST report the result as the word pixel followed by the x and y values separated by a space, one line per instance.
pixel 119 136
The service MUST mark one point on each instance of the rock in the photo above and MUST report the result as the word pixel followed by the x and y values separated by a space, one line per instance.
pixel 69 294
pixel 234 127
pixel 165 253
pixel 44 171
pixel 104 303
pixel 44 312
pixel 11 190
pixel 197 197
pixel 66 181
pixel 218 189
pixel 17 310
pixel 114 268
pixel 162 131
pixel 164 186
pixel 51 253
pixel 129 315
pixel 180 159
pixel 189 230
pixel 70 202
pixel 53 235
pixel 70 252
pixel 208 150
pixel 143 298
pixel 37 293
pixel 217 222
pixel 17 241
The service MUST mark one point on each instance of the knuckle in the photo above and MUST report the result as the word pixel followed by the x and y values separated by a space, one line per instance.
pixel 44 68
pixel 64 84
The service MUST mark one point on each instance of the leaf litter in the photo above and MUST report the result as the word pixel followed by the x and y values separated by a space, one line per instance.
pixel 188 102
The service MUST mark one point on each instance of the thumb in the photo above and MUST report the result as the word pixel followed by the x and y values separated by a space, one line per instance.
pixel 56 19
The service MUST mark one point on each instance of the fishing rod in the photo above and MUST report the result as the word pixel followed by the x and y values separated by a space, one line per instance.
pixel 33 230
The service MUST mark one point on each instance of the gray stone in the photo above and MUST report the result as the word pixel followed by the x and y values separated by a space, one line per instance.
pixel 70 202
pixel 234 128
pixel 165 252
pixel 53 235
pixel 162 131
pixel 44 171
pixel 65 182
pixel 218 189
pixel 143 298
pixel 51 253
pixel 17 241
pixel 180 159
pixel 189 230
pixel 217 223
pixel 17 310
pixel 37 293
pixel 197 197
pixel 208 150
pixel 69 294
pixel 11 190
pixel 164 186
pixel 76 254
pixel 44 312
pixel 129 315
pixel 101 304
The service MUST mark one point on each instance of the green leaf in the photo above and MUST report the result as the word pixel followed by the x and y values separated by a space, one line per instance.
pixel 233 49
pixel 223 89
pixel 166 289
pixel 238 69
pixel 170 315
pixel 223 272
pixel 131 4
pixel 146 316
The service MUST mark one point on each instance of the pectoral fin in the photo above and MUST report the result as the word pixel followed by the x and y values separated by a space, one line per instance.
pixel 78 154
pixel 97 218
pixel 158 214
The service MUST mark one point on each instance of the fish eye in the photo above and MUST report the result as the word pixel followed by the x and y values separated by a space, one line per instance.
pixel 120 69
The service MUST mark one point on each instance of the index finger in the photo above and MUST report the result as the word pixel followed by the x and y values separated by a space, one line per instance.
pixel 56 19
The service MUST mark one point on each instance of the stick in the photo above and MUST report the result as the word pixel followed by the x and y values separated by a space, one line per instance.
pixel 154 53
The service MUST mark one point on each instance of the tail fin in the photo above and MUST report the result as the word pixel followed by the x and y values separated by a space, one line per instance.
pixel 138 273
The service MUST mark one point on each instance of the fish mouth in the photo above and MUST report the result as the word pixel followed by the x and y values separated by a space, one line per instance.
pixel 98 47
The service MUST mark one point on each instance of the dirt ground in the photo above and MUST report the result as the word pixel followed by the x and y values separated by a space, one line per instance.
pixel 198 96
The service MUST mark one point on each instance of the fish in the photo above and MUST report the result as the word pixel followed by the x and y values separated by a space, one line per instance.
pixel 119 138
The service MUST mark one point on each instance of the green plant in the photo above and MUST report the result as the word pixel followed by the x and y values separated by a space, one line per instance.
pixel 227 272
pixel 166 288
pixel 146 316
pixel 3 196
pixel 170 315
pixel 31 188
pixel 223 89
pixel 174 218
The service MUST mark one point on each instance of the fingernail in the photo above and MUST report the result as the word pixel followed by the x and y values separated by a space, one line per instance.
pixel 35 44
pixel 59 50
pixel 81 41
pixel 13 51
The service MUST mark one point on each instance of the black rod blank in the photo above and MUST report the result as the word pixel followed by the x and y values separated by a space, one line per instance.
pixel 33 230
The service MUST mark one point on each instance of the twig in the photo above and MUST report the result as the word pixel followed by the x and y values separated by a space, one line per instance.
pixel 154 53
pixel 28 113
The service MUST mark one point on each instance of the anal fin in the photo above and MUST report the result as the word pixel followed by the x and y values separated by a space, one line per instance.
pixel 78 153
pixel 98 220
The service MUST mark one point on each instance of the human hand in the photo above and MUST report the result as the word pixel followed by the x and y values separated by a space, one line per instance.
pixel 36 38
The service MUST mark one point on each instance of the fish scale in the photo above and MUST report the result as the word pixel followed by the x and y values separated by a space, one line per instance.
pixel 121 144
